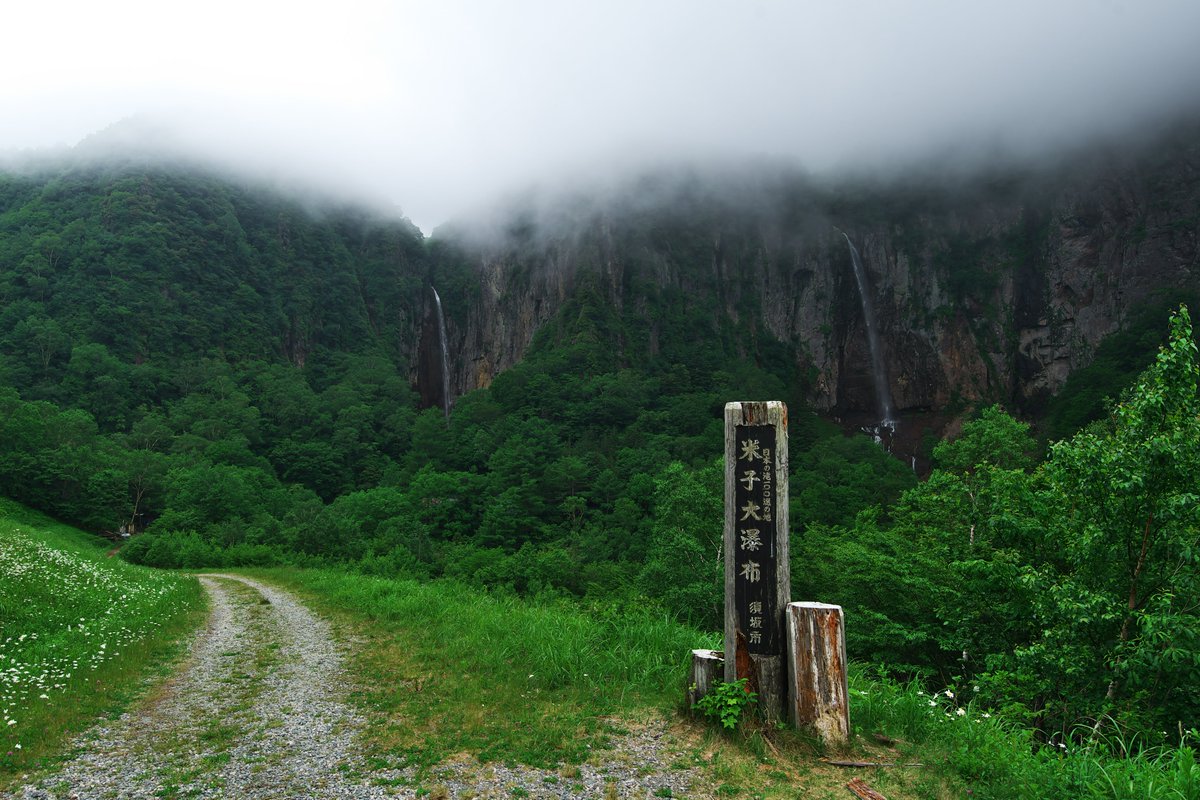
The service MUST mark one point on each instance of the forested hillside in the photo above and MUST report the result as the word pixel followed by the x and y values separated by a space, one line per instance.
pixel 242 375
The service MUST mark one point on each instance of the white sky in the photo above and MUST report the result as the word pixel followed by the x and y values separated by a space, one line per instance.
pixel 438 105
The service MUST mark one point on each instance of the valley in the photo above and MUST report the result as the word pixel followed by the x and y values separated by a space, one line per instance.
pixel 480 471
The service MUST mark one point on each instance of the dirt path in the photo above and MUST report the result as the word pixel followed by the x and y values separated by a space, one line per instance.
pixel 257 711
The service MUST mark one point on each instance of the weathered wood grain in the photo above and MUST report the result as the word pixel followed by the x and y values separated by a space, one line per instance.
pixel 817 676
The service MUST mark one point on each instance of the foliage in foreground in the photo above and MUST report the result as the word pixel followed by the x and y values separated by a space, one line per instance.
pixel 726 702
pixel 445 668
pixel 1065 590
pixel 79 630
pixel 997 760
pixel 448 669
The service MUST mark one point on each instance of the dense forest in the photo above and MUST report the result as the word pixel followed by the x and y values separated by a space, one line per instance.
pixel 230 375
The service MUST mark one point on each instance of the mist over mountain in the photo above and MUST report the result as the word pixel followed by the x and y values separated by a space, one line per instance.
pixel 439 109
pixel 994 281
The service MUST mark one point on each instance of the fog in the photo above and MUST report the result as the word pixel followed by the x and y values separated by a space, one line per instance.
pixel 436 108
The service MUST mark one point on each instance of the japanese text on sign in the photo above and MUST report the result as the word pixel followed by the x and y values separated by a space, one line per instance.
pixel 755 557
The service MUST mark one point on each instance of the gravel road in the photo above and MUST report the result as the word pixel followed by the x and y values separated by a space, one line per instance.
pixel 257 711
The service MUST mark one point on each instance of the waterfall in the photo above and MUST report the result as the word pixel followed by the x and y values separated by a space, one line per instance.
pixel 883 398
pixel 441 320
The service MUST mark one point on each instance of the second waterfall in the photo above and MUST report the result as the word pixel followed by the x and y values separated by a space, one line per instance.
pixel 441 322
pixel 883 396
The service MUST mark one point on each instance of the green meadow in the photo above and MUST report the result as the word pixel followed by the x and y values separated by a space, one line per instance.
pixel 79 633
pixel 442 670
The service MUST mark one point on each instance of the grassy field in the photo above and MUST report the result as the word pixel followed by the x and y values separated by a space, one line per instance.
pixel 446 670
pixel 993 759
pixel 79 633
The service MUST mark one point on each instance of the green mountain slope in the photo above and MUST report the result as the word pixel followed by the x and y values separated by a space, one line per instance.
pixel 145 268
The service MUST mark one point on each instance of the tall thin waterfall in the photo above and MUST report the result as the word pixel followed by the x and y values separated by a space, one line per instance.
pixel 441 321
pixel 883 397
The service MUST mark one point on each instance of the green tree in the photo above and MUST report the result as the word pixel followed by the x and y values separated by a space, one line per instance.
pixel 42 346
pixel 685 566
pixel 886 583
pixel 944 591
pixel 100 384
pixel 841 475
pixel 1129 528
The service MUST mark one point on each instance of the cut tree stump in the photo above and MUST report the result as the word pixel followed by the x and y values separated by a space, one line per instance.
pixel 707 668
pixel 816 639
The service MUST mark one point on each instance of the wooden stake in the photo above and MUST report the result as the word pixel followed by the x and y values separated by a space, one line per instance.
pixel 862 790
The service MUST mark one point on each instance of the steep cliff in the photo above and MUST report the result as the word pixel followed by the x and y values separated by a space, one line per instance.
pixel 992 287
pixel 989 288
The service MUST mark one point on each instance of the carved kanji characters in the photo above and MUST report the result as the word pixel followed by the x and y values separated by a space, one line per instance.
pixel 751 450
pixel 751 539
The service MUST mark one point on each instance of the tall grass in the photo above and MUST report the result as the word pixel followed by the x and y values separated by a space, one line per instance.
pixel 78 630
pixel 447 668
pixel 559 643
pixel 998 760
pixel 444 669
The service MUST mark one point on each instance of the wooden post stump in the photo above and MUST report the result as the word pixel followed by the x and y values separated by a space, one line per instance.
pixel 816 637
pixel 707 668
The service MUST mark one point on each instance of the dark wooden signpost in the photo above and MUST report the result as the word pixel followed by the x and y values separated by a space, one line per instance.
pixel 793 655
pixel 757 572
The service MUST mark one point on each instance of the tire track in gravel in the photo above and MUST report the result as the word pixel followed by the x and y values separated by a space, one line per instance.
pixel 256 711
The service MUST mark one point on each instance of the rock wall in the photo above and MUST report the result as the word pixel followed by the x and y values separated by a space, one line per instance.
pixel 993 290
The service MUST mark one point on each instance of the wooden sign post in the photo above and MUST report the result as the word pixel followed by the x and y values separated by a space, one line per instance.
pixel 757 572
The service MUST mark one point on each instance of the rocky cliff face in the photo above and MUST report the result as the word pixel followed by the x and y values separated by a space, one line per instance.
pixel 993 290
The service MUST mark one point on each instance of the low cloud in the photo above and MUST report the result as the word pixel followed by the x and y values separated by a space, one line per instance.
pixel 434 108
